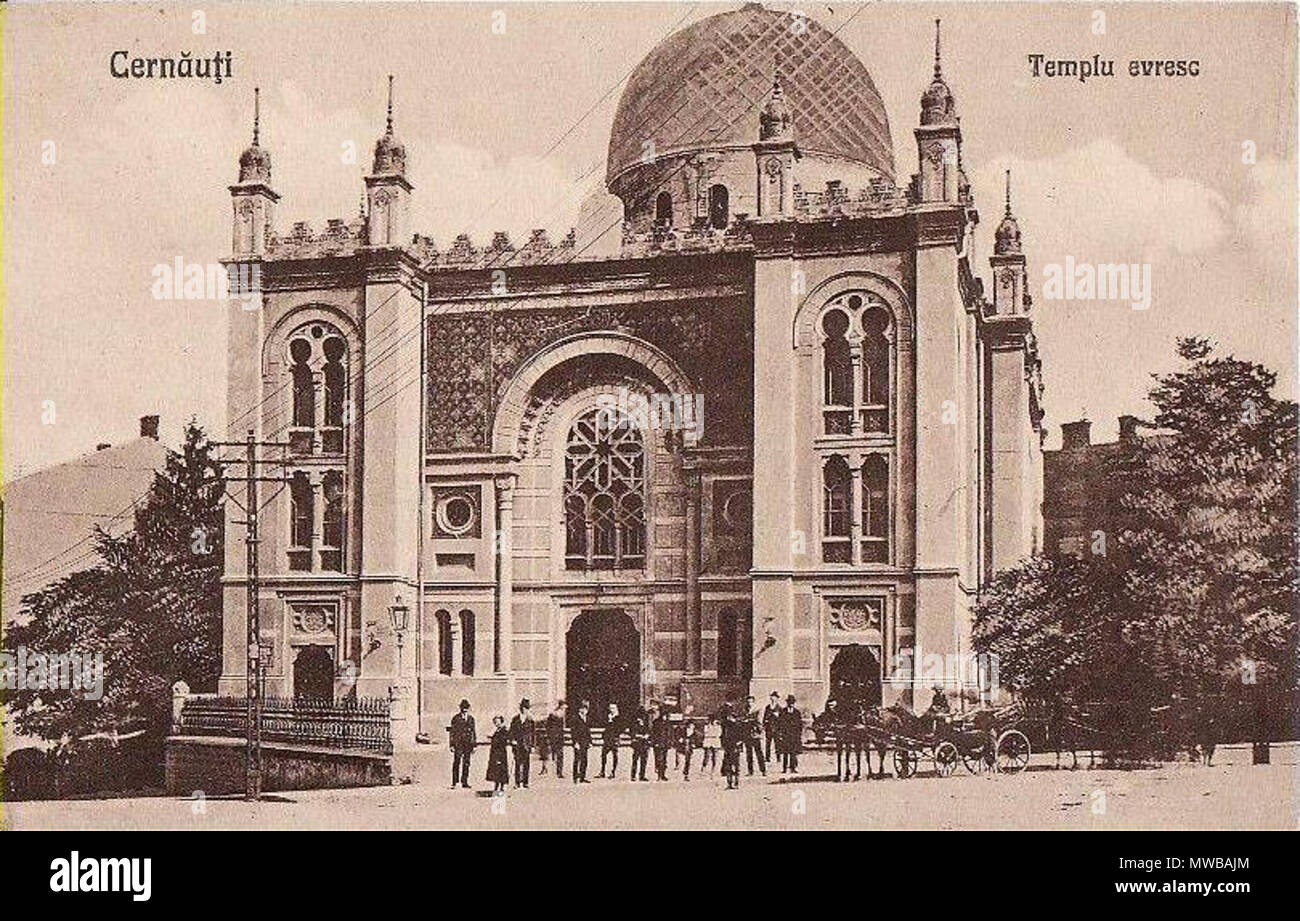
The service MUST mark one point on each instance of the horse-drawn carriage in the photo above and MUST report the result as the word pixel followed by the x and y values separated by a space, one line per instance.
pixel 981 740
pixel 985 739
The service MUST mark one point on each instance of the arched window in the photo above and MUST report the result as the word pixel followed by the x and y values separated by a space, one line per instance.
pixel 837 367
pixel 735 644
pixel 719 207
pixel 664 210
pixel 837 510
pixel 875 370
pixel 604 493
pixel 318 419
pixel 335 350
pixel 875 509
pixel 857 366
pixel 331 554
pixel 444 641
pixel 304 391
pixel 467 642
pixel 301 512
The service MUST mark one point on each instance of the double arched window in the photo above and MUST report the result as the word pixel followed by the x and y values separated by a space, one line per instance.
pixel 604 493
pixel 318 358
pixel 857 366
pixel 856 500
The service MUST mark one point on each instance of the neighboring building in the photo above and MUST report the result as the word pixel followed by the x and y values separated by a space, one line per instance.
pixel 839 441
pixel 1081 491
pixel 50 515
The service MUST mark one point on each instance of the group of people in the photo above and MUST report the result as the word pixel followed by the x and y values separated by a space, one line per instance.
pixel 737 730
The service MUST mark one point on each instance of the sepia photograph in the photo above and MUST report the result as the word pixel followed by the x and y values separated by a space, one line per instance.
pixel 632 416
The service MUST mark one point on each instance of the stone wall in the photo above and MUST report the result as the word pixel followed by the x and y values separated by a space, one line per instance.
pixel 217 766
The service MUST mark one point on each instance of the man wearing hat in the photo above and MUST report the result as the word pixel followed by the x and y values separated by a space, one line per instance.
pixel 771 720
pixel 462 739
pixel 522 736
pixel 581 732
pixel 791 736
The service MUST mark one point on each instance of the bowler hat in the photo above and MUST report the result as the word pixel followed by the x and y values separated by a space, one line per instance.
pixel 525 704
pixel 790 699
pixel 464 704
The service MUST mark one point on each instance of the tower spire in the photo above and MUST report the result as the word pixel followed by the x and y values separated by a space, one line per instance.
pixel 938 70
pixel 390 105
pixel 1008 211
pixel 257 113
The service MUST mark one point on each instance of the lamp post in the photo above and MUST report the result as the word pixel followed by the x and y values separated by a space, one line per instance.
pixel 401 618
pixel 400 615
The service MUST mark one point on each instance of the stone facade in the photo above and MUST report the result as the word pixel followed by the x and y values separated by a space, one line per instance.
pixel 783 429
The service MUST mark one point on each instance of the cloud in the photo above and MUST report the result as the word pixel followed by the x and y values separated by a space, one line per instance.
pixel 1265 223
pixel 1107 205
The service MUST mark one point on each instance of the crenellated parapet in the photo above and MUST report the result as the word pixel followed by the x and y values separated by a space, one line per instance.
pixel 880 198
pixel 338 238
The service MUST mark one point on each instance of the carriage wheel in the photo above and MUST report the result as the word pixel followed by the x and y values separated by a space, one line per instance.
pixel 945 759
pixel 1013 752
pixel 905 762
pixel 974 759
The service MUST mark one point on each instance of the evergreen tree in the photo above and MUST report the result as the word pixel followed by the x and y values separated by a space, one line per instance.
pixel 151 607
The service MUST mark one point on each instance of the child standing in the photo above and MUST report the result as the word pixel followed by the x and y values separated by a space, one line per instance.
pixel 712 742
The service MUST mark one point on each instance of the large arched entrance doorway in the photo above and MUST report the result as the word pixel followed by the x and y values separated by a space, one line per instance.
pixel 603 650
pixel 855 676
pixel 313 673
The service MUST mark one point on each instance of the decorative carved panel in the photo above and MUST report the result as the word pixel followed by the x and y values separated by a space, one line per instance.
pixel 857 615
pixel 475 355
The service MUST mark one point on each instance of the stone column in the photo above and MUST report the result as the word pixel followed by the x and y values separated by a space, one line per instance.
pixel 503 544
pixel 693 639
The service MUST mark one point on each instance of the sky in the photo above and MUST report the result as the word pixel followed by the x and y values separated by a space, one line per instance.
pixel 509 132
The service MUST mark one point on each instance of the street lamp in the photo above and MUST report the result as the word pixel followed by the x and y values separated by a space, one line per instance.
pixel 401 618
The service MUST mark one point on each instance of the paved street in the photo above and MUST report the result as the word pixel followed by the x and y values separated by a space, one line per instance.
pixel 1231 795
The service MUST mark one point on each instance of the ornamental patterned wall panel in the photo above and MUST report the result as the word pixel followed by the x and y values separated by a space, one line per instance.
pixel 474 356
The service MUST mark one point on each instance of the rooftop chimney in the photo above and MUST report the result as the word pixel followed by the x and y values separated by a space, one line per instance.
pixel 1076 434
pixel 149 427
pixel 1128 426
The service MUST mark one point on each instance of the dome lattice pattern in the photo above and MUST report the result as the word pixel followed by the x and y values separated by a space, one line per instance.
pixel 705 87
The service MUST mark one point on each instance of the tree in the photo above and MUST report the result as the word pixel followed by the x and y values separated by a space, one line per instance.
pixel 151 608
pixel 1198 596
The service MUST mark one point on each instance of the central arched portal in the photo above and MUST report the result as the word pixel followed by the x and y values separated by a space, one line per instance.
pixel 603 649
pixel 855 676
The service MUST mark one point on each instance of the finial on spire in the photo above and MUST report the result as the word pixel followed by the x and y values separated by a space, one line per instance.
pixel 257 113
pixel 390 103
pixel 938 72
pixel 1008 212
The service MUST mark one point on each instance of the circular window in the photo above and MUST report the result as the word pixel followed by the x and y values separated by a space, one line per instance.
pixel 455 514
pixel 855 302
pixel 737 512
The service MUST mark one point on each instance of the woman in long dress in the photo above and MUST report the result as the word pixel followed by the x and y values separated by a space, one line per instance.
pixel 498 770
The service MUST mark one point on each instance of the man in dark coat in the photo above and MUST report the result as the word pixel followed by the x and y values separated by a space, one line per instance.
pixel 754 738
pixel 522 737
pixel 609 743
pixel 639 730
pixel 771 719
pixel 581 733
pixel 554 732
pixel 462 738
pixel 791 732
pixel 661 737
pixel 733 739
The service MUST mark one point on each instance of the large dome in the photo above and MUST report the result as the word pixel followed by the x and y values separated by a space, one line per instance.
pixel 704 86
